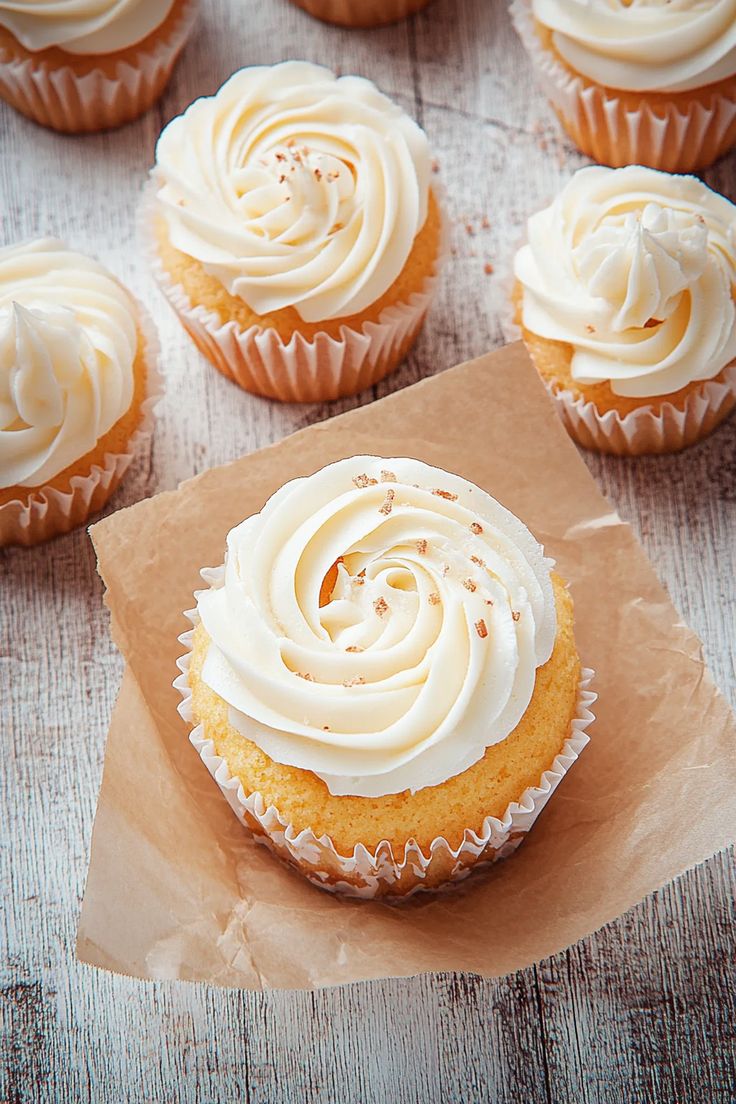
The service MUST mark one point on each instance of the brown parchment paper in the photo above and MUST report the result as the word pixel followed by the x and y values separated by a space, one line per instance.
pixel 177 889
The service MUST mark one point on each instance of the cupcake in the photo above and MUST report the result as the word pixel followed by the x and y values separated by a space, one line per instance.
pixel 84 65
pixel 383 676
pixel 649 83
pixel 293 229
pixel 625 294
pixel 77 383
pixel 361 13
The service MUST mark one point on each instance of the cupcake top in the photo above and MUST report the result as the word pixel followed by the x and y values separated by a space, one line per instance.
pixel 295 188
pixel 644 45
pixel 68 340
pixel 379 623
pixel 82 26
pixel 636 270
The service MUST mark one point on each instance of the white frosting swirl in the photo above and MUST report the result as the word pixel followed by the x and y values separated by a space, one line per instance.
pixel 644 45
pixel 296 188
pixel 636 270
pixel 82 26
pixel 424 654
pixel 68 340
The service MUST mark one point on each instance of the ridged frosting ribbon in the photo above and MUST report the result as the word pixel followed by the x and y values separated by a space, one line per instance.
pixel 380 623
pixel 68 340
pixel 295 188
pixel 644 45
pixel 636 270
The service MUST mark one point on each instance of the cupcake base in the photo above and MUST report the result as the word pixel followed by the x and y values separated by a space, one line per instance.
pixel 678 132
pixel 361 13
pixel 78 93
pixel 41 513
pixel 315 366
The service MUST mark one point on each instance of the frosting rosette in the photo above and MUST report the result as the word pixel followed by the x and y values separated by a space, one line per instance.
pixel 379 623
pixel 636 270
pixel 644 45
pixel 68 341
pixel 295 188
pixel 82 26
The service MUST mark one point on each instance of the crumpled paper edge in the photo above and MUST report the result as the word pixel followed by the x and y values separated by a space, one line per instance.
pixel 369 874
pixel 50 512
pixel 671 138
pixel 60 98
pixel 300 370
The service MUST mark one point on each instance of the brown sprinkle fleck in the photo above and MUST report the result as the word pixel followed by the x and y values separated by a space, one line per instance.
pixel 449 495
pixel 282 178
pixel 354 648
pixel 306 676
pixel 422 547
pixel 318 174
pixel 358 680
pixel 388 502
pixel 475 527
pixel 325 728
pixel 361 481
pixel 469 585
pixel 280 156
pixel 445 569
pixel 388 477
pixel 380 606
pixel 489 602
pixel 589 327
pixel 435 165
pixel 480 628
pixel 434 598
pixel 477 560
pixel 515 615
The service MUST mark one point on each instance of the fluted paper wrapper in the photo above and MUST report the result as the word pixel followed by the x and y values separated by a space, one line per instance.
pixel 48 511
pixel 361 13
pixel 57 96
pixel 379 872
pixel 647 430
pixel 300 370
pixel 669 135
pixel 177 889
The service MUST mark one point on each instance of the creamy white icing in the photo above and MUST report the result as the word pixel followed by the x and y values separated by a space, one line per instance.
pixel 295 188
pixel 427 650
pixel 644 45
pixel 636 270
pixel 82 26
pixel 68 340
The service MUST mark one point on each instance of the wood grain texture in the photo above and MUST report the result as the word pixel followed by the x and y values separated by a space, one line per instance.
pixel 644 1009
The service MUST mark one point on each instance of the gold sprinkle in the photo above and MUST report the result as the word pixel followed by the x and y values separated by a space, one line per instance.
pixel 477 560
pixel 388 502
pixel 489 602
pixel 358 580
pixel 422 547
pixel 380 606
pixel 318 174
pixel 480 628
pixel 364 480
pixel 475 527
pixel 589 327
pixel 388 477
pixel 282 178
pixel 358 680
pixel 354 648
pixel 469 585
pixel 280 156
pixel 445 569
pixel 306 676
pixel 444 494
pixel 434 598
pixel 515 614
pixel 325 728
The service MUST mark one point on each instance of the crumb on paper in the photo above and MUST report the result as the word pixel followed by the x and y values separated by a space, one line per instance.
pixel 488 268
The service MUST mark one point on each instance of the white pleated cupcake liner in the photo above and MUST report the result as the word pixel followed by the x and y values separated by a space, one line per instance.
pixel 361 13
pixel 60 98
pixel 300 370
pixel 647 430
pixel 377 872
pixel 50 512
pixel 673 137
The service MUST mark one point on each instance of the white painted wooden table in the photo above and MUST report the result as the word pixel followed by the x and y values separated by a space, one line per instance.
pixel 643 1010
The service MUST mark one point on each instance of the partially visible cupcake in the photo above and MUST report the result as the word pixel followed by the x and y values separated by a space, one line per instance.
pixel 384 678
pixel 625 294
pixel 88 65
pixel 638 83
pixel 78 381
pixel 361 13
pixel 293 228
